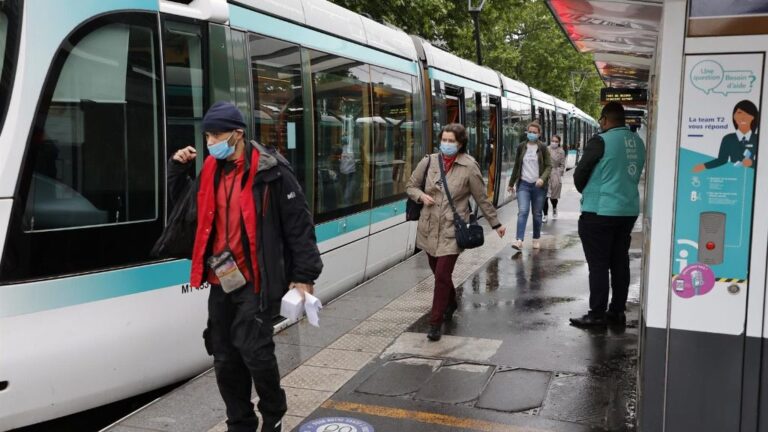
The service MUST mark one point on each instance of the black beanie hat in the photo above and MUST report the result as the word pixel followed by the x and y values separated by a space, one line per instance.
pixel 223 117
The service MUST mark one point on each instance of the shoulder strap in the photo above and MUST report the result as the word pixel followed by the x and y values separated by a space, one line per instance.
pixel 426 171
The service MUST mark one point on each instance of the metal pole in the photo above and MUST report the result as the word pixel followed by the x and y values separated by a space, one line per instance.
pixel 476 19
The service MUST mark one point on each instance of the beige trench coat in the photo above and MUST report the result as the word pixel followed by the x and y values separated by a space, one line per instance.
pixel 557 155
pixel 436 233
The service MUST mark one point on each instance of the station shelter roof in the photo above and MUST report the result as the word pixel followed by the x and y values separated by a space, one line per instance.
pixel 621 35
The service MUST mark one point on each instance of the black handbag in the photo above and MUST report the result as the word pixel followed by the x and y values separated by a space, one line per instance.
pixel 468 235
pixel 413 208
pixel 178 237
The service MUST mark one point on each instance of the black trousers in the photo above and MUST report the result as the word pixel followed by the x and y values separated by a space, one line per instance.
pixel 606 241
pixel 546 205
pixel 239 337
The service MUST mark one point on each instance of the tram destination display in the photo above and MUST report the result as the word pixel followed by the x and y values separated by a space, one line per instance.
pixel 628 96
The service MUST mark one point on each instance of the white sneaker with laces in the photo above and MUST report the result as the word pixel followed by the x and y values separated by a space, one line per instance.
pixel 517 244
pixel 536 244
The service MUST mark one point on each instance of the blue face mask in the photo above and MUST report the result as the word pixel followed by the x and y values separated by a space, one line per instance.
pixel 449 148
pixel 532 136
pixel 222 150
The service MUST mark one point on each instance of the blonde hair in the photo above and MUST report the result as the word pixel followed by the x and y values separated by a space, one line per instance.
pixel 534 124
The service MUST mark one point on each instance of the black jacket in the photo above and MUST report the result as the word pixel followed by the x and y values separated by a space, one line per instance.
pixel 286 243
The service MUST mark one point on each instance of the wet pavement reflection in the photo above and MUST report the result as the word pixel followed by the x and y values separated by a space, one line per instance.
pixel 510 360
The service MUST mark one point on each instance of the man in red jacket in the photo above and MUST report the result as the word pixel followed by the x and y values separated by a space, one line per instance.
pixel 255 238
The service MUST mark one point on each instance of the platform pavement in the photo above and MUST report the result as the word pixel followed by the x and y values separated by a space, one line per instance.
pixel 509 362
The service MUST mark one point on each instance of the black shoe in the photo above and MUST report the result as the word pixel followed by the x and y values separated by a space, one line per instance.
pixel 271 425
pixel 448 315
pixel 589 321
pixel 434 333
pixel 616 318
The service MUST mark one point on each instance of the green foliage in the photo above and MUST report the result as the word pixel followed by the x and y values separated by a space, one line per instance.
pixel 519 38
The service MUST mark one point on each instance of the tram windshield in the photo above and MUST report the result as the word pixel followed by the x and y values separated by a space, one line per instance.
pixel 9 13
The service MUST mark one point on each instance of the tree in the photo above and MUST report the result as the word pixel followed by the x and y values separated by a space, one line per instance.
pixel 520 39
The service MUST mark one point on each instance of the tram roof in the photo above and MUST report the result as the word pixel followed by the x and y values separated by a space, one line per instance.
pixel 454 64
pixel 515 86
pixel 328 17
pixel 621 35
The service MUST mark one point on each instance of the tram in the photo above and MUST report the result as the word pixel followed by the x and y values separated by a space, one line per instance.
pixel 95 98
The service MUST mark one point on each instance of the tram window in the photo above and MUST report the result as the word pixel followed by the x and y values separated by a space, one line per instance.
pixel 343 132
pixel 89 193
pixel 446 109
pixel 95 149
pixel 470 123
pixel 513 124
pixel 182 49
pixel 9 24
pixel 394 132
pixel 278 102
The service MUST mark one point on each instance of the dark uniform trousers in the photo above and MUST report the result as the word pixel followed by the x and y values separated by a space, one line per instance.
pixel 606 241
pixel 239 337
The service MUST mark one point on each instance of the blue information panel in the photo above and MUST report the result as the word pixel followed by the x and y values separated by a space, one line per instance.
pixel 716 171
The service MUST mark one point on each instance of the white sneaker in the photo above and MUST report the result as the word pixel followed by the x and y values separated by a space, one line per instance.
pixel 554 214
pixel 544 219
pixel 536 244
pixel 517 244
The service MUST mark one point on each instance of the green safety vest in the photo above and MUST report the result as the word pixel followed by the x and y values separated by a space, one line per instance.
pixel 612 187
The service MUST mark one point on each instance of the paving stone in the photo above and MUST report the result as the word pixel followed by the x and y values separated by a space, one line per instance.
pixel 303 333
pixel 578 399
pixel 380 328
pixel 396 316
pixel 353 307
pixel 400 377
pixel 301 402
pixel 515 390
pixel 197 405
pixel 289 357
pixel 341 359
pixel 354 342
pixel 317 378
pixel 455 384
pixel 451 347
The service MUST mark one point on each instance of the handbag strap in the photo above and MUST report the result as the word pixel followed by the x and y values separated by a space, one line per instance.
pixel 426 171
pixel 448 192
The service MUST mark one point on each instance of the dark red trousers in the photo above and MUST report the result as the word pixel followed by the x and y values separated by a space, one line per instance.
pixel 445 292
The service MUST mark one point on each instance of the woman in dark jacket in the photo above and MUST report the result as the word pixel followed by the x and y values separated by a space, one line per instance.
pixel 529 178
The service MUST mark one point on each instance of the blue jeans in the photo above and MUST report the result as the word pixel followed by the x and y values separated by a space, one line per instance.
pixel 529 196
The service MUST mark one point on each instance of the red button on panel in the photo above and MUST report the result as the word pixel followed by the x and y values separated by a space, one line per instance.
pixel 710 245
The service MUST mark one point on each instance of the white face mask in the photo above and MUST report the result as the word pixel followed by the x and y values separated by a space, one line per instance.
pixel 555 144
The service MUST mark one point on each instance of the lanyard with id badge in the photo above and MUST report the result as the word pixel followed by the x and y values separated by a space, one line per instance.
pixel 224 265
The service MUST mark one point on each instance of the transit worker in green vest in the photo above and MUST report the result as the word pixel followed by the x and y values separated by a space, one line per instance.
pixel 607 177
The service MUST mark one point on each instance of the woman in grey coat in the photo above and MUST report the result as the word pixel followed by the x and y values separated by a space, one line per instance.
pixel 558 157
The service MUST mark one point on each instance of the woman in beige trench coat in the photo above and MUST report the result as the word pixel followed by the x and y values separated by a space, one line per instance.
pixel 436 233
pixel 557 156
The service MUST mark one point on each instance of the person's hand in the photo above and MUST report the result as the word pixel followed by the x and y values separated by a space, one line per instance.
pixel 303 287
pixel 699 168
pixel 747 162
pixel 185 155
pixel 539 183
pixel 501 231
pixel 426 199
pixel 511 189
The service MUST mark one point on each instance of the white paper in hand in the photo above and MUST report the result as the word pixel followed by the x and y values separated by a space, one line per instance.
pixel 292 305
pixel 312 305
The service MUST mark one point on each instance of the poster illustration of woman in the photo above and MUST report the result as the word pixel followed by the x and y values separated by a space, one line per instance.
pixel 740 147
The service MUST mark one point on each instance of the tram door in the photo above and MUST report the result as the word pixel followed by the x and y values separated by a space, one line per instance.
pixel 492 140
